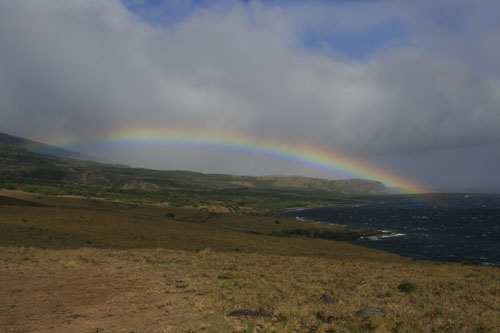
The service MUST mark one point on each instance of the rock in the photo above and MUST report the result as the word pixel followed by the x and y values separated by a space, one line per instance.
pixel 25 220
pixel 325 299
pixel 324 318
pixel 141 185
pixel 7 308
pixel 248 313
pixel 370 312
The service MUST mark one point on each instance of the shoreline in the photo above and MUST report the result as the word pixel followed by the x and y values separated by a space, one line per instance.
pixel 407 246
pixel 298 209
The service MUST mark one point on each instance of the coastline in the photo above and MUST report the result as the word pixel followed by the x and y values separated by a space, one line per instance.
pixel 425 232
pixel 298 209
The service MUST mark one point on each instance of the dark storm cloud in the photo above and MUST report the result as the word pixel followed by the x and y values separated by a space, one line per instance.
pixel 83 68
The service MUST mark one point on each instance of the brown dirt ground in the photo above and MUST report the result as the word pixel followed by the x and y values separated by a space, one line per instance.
pixel 73 295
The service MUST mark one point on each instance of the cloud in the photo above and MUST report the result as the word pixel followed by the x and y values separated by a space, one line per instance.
pixel 83 68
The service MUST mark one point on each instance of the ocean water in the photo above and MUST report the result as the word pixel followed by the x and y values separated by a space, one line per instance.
pixel 459 228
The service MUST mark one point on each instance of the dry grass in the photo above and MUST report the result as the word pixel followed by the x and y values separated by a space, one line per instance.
pixel 74 223
pixel 161 284
pixel 157 289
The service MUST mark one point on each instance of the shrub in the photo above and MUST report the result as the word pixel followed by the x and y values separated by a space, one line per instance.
pixel 407 287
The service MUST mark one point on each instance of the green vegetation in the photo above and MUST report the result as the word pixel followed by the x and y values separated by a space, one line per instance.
pixel 27 171
pixel 244 201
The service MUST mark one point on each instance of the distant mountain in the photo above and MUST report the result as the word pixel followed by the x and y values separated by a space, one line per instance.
pixel 42 148
pixel 22 158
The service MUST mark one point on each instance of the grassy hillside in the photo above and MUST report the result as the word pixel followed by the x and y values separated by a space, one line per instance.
pixel 39 147
pixel 35 172
pixel 16 161
pixel 54 222
pixel 87 265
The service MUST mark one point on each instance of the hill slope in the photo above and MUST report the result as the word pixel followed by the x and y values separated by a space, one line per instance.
pixel 43 148
pixel 18 161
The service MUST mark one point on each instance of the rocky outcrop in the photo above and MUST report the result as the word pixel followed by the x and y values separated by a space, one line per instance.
pixel 325 299
pixel 370 312
pixel 342 234
pixel 141 185
pixel 87 178
pixel 249 313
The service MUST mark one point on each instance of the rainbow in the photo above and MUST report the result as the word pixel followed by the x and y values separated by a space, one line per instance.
pixel 263 147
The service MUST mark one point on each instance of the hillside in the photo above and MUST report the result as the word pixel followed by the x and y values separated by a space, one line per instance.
pixel 45 174
pixel 21 158
pixel 43 148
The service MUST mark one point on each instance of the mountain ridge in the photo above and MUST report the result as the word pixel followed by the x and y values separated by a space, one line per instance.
pixel 43 148
pixel 23 158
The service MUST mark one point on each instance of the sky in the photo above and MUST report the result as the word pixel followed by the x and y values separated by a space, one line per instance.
pixel 410 87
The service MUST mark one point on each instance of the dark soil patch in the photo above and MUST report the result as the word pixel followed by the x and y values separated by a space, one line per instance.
pixel 8 201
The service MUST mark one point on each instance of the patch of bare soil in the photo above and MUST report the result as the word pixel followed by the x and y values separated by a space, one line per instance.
pixel 80 294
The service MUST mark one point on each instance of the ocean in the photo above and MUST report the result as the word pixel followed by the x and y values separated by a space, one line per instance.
pixel 455 227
